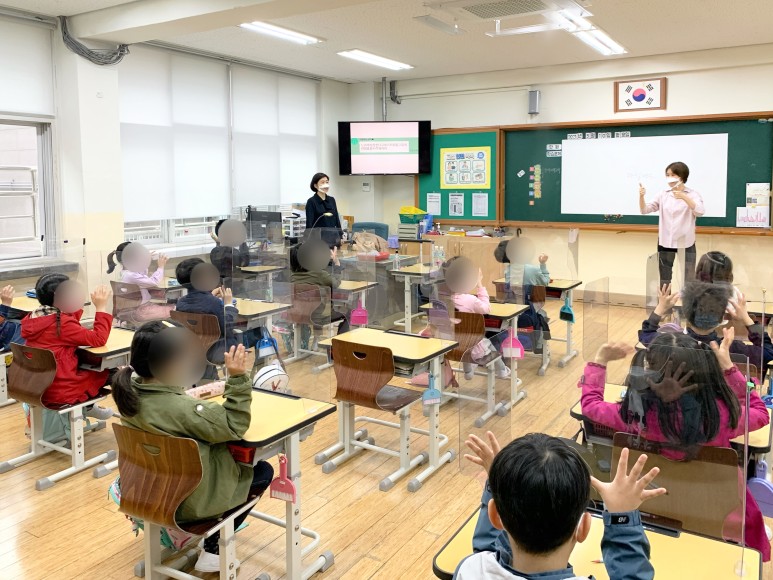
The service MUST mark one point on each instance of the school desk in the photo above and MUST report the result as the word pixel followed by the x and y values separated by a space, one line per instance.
pixel 256 311
pixel 172 288
pixel 277 425
pixel 25 303
pixel 410 275
pixel 674 558
pixel 353 291
pixel 268 272
pixel 406 349
pixel 507 313
pixel 114 354
pixel 565 288
pixel 759 440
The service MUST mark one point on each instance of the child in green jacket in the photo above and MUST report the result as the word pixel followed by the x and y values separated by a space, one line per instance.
pixel 150 394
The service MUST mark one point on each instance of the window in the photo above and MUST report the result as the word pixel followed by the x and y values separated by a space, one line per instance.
pixel 200 137
pixel 23 194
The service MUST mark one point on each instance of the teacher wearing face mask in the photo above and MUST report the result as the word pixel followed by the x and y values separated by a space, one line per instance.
pixel 322 212
pixel 677 206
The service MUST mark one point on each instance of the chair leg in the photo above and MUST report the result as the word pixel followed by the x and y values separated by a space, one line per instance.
pixel 227 551
pixel 77 452
pixel 36 449
pixel 151 539
pixel 349 434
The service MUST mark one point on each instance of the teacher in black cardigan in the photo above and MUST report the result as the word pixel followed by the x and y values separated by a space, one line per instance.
pixel 322 212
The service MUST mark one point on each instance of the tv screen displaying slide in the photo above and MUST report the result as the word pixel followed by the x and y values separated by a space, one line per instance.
pixel 384 148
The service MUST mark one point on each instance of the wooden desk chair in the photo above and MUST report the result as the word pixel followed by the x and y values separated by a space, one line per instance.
pixel 32 372
pixel 158 473
pixel 745 365
pixel 702 492
pixel 207 329
pixel 363 374
pixel 127 298
pixel 305 300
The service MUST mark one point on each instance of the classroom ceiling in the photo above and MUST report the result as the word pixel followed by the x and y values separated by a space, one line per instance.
pixel 388 28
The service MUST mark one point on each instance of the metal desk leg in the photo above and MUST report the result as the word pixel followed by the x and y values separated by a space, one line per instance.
pixel 408 319
pixel 4 400
pixel 435 459
pixel 570 352
pixel 324 456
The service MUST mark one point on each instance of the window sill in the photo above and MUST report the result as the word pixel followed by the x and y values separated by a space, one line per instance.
pixel 34 267
pixel 182 251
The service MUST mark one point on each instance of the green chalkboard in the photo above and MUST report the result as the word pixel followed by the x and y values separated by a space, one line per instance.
pixel 750 152
pixel 476 151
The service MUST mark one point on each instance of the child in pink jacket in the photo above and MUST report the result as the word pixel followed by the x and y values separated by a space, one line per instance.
pixel 682 394
pixel 475 300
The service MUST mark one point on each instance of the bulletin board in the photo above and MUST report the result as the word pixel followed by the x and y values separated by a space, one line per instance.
pixel 463 184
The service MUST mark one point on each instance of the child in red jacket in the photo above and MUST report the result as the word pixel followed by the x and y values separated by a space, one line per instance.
pixel 56 326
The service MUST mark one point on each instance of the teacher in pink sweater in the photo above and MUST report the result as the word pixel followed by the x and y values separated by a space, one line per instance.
pixel 677 206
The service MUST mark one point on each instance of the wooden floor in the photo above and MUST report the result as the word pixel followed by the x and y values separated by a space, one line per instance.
pixel 74 530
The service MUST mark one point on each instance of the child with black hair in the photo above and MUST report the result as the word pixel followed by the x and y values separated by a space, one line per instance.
pixel 150 399
pixel 10 330
pixel 684 393
pixel 704 307
pixel 135 263
pixel 228 259
pixel 533 512
pixel 56 326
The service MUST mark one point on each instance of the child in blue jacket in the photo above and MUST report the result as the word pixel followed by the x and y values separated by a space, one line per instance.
pixel 10 330
pixel 533 512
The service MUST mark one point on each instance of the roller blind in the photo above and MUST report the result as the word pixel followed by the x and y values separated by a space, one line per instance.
pixel 27 83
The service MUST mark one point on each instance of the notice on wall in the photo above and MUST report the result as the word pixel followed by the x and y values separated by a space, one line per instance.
pixel 456 204
pixel 753 217
pixel 480 204
pixel 465 167
pixel 757 194
pixel 433 204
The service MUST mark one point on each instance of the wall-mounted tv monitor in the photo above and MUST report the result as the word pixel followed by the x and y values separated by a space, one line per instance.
pixel 384 148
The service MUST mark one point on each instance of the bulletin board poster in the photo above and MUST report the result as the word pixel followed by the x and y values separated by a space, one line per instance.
pixel 465 168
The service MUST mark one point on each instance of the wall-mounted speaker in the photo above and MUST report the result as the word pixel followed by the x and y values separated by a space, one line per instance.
pixel 534 102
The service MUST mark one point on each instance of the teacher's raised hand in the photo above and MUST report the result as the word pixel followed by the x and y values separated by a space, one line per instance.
pixel 642 190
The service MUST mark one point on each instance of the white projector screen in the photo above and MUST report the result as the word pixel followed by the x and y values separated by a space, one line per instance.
pixel 602 176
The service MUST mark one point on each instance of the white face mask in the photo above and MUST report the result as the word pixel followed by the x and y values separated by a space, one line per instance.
pixel 324 188
pixel 672 180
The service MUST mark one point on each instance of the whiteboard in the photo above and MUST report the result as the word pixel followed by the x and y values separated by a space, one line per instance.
pixel 602 176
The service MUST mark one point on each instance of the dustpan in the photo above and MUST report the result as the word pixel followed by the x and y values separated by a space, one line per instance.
pixel 762 489
pixel 512 347
pixel 359 316
pixel 566 313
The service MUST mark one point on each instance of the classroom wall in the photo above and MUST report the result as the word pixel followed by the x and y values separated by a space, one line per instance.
pixel 701 82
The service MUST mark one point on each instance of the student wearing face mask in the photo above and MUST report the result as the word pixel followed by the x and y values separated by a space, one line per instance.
pixel 677 206
pixel 317 206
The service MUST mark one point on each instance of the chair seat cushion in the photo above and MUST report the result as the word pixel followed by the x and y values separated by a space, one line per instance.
pixel 103 392
pixel 392 398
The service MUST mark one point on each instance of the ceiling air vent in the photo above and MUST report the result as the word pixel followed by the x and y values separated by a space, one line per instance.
pixel 506 9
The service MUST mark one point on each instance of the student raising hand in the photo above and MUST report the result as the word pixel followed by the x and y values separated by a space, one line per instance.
pixel 484 452
pixel 612 351
pixel 666 300
pixel 100 297
pixel 6 295
pixel 236 361
pixel 627 491
pixel 722 351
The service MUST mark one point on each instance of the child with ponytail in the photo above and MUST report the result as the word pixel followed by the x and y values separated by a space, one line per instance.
pixel 135 260
pixel 56 326
pixel 150 394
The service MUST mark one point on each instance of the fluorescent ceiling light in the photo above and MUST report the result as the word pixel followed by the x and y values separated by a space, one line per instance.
pixel 279 32
pixel 594 42
pixel 605 39
pixel 438 24
pixel 368 58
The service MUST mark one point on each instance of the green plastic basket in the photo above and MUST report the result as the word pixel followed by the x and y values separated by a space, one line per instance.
pixel 412 218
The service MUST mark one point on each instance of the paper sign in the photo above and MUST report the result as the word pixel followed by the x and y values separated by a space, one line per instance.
pixel 480 204
pixel 752 217
pixel 456 204
pixel 433 204
pixel 465 167
pixel 757 194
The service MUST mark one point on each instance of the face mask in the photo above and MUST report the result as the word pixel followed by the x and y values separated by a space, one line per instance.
pixel 672 181
pixel 706 321
pixel 324 188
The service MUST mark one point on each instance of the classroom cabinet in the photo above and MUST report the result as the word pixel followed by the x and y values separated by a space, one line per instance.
pixel 415 248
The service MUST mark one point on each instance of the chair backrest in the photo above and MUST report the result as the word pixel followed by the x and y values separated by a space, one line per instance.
pixel 126 297
pixel 32 372
pixel 378 228
pixel 743 364
pixel 702 491
pixel 470 330
pixel 205 326
pixel 157 472
pixel 361 371
pixel 305 299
